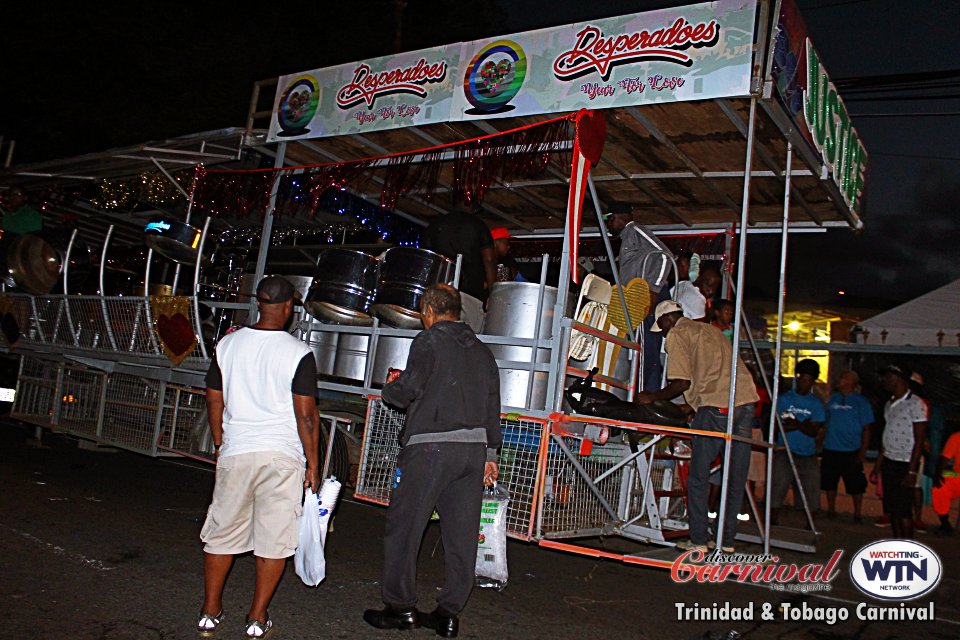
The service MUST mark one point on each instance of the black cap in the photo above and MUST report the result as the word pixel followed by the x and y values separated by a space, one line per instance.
pixel 619 207
pixel 896 370
pixel 276 290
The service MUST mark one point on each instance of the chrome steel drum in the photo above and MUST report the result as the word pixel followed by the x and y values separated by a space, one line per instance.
pixel 512 311
pixel 351 360
pixel 323 344
pixel 392 353
pixel 343 287
pixel 37 260
pixel 405 273
pixel 172 239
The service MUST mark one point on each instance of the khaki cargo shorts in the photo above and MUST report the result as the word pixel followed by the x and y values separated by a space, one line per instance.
pixel 256 501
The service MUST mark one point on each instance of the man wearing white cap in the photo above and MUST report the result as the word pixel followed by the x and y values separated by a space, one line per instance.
pixel 698 367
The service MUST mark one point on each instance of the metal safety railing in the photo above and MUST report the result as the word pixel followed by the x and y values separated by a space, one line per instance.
pixel 118 325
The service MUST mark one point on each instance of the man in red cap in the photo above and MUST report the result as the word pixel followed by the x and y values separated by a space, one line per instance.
pixel 507 269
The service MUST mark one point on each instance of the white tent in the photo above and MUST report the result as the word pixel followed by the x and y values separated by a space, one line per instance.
pixel 932 320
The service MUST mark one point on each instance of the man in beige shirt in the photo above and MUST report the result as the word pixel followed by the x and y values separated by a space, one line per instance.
pixel 698 367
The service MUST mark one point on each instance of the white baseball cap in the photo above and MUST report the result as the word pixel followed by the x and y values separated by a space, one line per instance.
pixel 665 307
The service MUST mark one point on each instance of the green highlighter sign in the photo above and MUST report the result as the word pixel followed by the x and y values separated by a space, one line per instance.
pixel 832 133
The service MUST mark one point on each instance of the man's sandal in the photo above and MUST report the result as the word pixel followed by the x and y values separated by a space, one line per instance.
pixel 257 629
pixel 207 624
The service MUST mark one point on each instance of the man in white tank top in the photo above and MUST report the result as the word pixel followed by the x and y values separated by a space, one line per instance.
pixel 261 401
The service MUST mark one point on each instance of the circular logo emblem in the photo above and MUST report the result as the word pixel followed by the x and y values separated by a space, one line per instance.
pixel 895 569
pixel 298 104
pixel 494 76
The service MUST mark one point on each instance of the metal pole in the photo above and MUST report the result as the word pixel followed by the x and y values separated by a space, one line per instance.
pixel 66 293
pixel 737 322
pixel 267 230
pixel 103 302
pixel 196 288
pixel 535 349
pixel 775 382
pixel 176 270
pixel 609 250
pixel 456 271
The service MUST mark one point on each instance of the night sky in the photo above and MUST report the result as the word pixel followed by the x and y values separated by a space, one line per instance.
pixel 82 78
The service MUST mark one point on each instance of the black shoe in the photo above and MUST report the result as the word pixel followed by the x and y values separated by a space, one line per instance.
pixel 390 618
pixel 445 626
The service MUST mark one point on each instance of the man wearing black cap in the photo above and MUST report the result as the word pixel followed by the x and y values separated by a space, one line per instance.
pixel 261 390
pixel 906 418
pixel 636 243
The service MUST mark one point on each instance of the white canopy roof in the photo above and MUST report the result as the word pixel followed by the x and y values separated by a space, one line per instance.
pixel 932 319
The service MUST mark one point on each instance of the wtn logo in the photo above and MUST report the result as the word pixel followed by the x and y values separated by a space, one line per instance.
pixel 896 569
pixel 903 570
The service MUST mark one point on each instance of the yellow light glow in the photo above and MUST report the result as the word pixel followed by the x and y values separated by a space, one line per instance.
pixel 793 326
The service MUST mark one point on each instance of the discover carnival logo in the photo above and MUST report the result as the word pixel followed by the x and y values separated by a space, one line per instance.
pixel 896 569
pixel 597 52
pixel 368 85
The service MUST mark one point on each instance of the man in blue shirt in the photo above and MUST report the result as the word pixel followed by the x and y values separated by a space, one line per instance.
pixel 849 420
pixel 802 416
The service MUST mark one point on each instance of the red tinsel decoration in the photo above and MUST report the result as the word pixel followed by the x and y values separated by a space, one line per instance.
pixel 477 163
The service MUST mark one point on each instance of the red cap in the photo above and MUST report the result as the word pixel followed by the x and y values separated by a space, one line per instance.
pixel 500 233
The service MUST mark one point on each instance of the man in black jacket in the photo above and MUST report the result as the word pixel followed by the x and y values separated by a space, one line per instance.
pixel 451 390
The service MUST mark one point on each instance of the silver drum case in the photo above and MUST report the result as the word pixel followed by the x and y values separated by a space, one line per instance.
pixel 344 286
pixel 512 311
pixel 405 273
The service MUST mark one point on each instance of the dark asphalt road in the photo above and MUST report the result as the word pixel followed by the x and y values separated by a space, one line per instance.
pixel 104 545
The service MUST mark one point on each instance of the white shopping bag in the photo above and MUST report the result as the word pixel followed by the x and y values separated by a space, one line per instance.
pixel 309 560
pixel 491 570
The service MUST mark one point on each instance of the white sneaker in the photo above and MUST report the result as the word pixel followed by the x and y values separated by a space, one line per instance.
pixel 688 545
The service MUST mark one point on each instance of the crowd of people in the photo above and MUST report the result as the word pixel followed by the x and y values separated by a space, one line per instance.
pixel 822 438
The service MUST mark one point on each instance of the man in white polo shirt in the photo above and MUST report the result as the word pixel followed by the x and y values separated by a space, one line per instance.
pixel 261 390
pixel 906 426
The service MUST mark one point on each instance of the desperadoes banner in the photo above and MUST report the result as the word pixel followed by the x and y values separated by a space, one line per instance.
pixel 406 89
pixel 808 96
pixel 696 52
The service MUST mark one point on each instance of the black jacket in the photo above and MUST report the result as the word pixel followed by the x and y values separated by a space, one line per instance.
pixel 450 388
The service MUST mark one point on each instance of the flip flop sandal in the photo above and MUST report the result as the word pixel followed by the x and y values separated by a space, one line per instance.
pixel 257 629
pixel 207 624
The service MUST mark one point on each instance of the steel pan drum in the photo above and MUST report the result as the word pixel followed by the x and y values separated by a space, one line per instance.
pixel 323 344
pixel 343 287
pixel 36 261
pixel 512 311
pixel 351 360
pixel 172 239
pixel 392 353
pixel 405 273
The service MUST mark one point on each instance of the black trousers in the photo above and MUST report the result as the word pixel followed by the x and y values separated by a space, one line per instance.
pixel 447 476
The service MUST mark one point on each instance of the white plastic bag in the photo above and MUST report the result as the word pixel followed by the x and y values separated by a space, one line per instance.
pixel 309 560
pixel 491 570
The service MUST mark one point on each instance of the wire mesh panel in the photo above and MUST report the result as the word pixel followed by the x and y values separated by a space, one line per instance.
pixel 378 459
pixel 570 508
pixel 130 412
pixel 184 413
pixel 129 321
pixel 36 391
pixel 518 462
pixel 87 322
pixel 80 398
